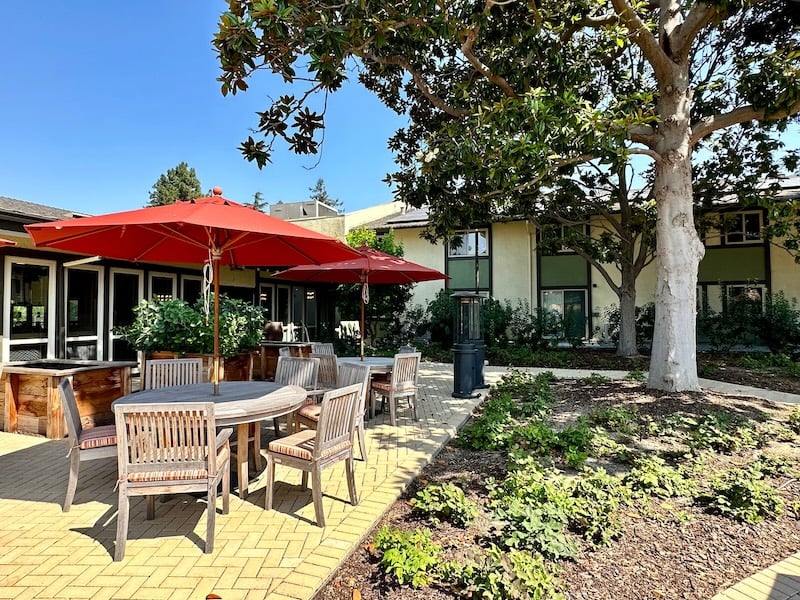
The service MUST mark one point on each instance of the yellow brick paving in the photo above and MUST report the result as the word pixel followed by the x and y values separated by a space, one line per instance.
pixel 279 554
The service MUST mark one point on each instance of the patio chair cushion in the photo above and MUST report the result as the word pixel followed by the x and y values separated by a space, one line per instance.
pixel 97 437
pixel 301 445
pixel 310 411
pixel 386 386
pixel 180 474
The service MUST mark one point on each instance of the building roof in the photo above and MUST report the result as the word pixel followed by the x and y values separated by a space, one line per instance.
pixel 29 212
pixel 414 217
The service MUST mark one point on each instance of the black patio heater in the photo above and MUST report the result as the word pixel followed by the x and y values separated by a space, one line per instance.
pixel 467 335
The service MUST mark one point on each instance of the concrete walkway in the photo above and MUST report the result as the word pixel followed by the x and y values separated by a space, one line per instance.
pixel 279 554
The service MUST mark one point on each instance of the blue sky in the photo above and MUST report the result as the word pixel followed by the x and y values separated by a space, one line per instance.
pixel 101 98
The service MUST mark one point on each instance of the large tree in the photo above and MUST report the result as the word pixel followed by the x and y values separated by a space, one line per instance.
pixel 178 183
pixel 320 194
pixel 506 99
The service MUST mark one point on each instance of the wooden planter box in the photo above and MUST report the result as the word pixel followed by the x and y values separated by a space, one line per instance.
pixel 32 404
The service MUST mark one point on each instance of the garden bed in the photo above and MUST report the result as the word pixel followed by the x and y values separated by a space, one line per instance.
pixel 689 545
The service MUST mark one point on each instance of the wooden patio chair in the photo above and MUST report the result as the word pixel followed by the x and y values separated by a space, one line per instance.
pixel 172 371
pixel 296 370
pixel 402 383
pixel 84 444
pixel 170 448
pixel 349 374
pixel 314 450
pixel 322 348
pixel 328 371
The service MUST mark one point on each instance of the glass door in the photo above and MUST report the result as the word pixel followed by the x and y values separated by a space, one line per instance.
pixel 127 290
pixel 84 293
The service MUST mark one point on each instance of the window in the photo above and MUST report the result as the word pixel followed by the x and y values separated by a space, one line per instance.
pixel 753 293
pixel 84 307
pixel 742 228
pixel 162 286
pixel 468 262
pixel 570 305
pixel 30 292
pixel 469 243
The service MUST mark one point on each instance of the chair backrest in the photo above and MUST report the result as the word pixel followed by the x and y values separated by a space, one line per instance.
pixel 322 348
pixel 71 414
pixel 172 371
pixel 295 370
pixel 351 373
pixel 328 370
pixel 166 441
pixel 405 369
pixel 337 418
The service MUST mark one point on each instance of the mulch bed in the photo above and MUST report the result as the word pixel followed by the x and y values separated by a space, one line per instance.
pixel 678 550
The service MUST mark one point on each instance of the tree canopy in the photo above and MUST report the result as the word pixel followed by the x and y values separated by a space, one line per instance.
pixel 516 106
pixel 320 194
pixel 178 183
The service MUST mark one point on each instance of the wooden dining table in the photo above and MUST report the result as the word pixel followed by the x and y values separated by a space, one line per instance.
pixel 377 364
pixel 238 403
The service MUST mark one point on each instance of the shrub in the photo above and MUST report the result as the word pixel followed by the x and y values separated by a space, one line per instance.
pixel 598 497
pixel 794 419
pixel 652 475
pixel 616 418
pixel 779 325
pixel 408 557
pixel 737 324
pixel 492 429
pixel 645 323
pixel 444 502
pixel 500 574
pixel 533 329
pixel 724 432
pixel 742 494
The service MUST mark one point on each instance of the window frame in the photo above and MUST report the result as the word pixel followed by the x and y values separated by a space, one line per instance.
pixel 726 232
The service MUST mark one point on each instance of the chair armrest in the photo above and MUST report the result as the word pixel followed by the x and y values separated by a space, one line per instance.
pixel 222 436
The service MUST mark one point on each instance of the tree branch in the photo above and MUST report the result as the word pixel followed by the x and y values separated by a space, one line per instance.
pixel 466 48
pixel 590 22
pixel 743 114
pixel 699 16
pixel 647 152
pixel 643 38
pixel 419 81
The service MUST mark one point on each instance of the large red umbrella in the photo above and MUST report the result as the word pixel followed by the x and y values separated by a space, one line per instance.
pixel 373 267
pixel 213 229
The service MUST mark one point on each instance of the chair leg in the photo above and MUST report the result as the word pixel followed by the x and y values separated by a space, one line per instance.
pixel 122 524
pixel 276 425
pixel 270 473
pixel 392 409
pixel 304 480
pixel 362 440
pixel 226 488
pixel 256 454
pixel 151 508
pixel 350 468
pixel 413 401
pixel 316 493
pixel 211 517
pixel 72 484
pixel 371 402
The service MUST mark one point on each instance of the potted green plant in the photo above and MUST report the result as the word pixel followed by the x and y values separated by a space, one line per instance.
pixel 171 328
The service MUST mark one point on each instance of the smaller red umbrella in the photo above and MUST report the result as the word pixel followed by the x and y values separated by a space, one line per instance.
pixel 4 242
pixel 374 267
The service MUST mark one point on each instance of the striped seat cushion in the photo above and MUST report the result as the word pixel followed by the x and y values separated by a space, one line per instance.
pixel 386 386
pixel 98 437
pixel 310 412
pixel 301 445
pixel 223 454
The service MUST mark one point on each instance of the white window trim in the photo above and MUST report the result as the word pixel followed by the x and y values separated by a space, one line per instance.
pixel 185 278
pixel 153 274
pixel 49 341
pixel 98 338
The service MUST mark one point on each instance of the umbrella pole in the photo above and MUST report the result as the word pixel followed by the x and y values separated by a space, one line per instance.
pixel 361 328
pixel 215 257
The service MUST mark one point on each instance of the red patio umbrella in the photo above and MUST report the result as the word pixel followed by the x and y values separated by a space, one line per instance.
pixel 373 267
pixel 212 229
pixel 4 242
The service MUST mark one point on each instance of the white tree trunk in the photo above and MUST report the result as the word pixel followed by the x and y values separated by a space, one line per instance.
pixel 673 363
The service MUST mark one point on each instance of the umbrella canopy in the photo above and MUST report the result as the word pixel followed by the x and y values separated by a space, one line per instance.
pixel 4 242
pixel 373 266
pixel 211 229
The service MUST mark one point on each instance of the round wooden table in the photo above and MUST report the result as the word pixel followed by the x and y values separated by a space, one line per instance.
pixel 238 403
